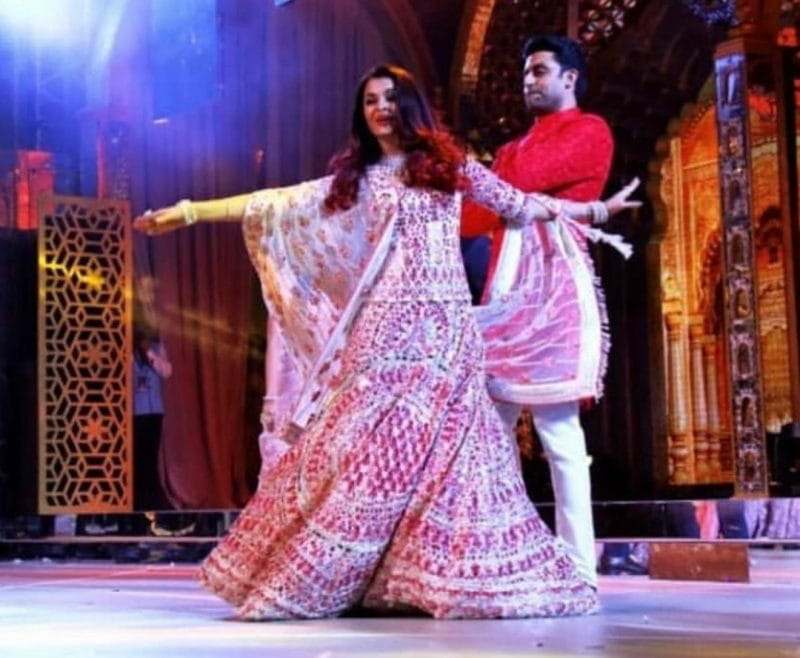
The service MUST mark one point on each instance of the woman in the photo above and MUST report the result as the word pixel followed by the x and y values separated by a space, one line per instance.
pixel 401 489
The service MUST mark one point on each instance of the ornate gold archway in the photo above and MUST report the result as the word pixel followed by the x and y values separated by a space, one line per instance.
pixel 690 270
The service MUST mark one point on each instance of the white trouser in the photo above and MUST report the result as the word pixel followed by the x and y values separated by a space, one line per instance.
pixel 561 434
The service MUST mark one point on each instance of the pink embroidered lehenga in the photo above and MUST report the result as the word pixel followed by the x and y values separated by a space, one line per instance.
pixel 400 489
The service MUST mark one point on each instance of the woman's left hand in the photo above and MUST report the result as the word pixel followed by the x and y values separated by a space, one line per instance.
pixel 620 201
pixel 163 220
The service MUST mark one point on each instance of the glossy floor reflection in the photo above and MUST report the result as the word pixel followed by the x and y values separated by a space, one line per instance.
pixel 102 609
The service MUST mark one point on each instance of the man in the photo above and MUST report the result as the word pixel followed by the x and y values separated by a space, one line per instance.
pixel 566 153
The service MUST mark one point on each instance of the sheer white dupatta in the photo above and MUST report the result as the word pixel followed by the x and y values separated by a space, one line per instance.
pixel 315 268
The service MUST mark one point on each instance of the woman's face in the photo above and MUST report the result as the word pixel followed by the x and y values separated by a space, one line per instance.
pixel 380 107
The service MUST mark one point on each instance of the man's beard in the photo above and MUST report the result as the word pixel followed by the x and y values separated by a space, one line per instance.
pixel 538 105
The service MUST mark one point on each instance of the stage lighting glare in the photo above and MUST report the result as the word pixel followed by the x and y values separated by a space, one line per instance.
pixel 44 20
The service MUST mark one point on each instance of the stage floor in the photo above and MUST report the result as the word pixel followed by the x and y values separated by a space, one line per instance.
pixel 103 609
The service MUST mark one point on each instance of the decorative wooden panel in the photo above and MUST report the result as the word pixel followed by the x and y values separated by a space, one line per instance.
pixel 740 272
pixel 85 268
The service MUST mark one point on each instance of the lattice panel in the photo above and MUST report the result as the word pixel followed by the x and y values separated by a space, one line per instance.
pixel 85 269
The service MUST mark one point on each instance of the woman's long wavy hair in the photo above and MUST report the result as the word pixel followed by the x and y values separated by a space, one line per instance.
pixel 433 159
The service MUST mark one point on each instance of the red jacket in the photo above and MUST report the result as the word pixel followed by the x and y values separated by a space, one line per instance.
pixel 566 154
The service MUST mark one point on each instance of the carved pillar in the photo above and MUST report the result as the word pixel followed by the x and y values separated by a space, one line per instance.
pixel 734 59
pixel 699 404
pixel 724 388
pixel 788 138
pixel 680 440
pixel 710 369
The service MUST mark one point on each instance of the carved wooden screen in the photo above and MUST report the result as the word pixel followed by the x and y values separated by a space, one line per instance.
pixel 85 269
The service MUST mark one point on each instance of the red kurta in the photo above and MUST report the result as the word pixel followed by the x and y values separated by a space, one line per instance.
pixel 566 154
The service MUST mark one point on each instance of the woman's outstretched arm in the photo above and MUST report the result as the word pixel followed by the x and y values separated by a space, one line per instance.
pixel 518 208
pixel 186 213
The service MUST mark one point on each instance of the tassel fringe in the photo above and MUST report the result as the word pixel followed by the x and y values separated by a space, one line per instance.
pixel 596 235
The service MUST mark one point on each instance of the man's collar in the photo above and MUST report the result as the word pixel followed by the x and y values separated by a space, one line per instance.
pixel 554 118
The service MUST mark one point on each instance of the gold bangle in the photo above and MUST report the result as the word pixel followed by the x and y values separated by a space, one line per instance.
pixel 188 211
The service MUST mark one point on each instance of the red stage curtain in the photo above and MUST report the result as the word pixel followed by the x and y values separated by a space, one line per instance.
pixel 286 80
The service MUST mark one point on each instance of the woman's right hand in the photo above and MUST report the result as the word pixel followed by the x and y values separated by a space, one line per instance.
pixel 163 220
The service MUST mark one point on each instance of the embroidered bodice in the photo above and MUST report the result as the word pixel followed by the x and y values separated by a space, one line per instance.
pixel 424 262
pixel 397 244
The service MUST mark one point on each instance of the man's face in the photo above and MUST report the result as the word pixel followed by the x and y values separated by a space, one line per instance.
pixel 546 86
